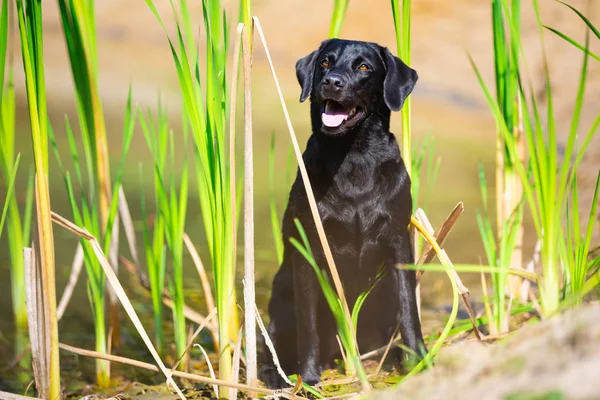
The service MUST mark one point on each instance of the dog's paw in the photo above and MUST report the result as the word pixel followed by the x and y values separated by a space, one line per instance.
pixel 271 378
pixel 311 376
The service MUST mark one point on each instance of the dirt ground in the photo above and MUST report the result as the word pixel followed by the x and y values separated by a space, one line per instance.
pixel 554 360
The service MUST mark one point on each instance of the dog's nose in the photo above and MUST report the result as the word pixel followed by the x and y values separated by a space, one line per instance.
pixel 334 81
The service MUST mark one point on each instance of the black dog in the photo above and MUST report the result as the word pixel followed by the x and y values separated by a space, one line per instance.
pixel 363 195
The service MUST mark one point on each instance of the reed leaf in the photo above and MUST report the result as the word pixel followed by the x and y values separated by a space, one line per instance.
pixel 337 17
pixel 207 122
pixel 29 15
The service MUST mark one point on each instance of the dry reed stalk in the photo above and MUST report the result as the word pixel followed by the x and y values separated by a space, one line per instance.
pixel 440 235
pixel 210 368
pixel 194 336
pixel 339 342
pixel 271 348
pixel 188 312
pixel 387 350
pixel 114 281
pixel 38 325
pixel 512 195
pixel 179 374
pixel 249 284
pixel 44 263
pixel 210 302
pixel 235 368
pixel 462 289
pixel 232 165
pixel 129 230
pixel 309 192
pixel 76 267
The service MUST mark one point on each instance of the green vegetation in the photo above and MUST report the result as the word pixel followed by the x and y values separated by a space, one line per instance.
pixel 207 119
pixel 534 181
pixel 401 11
pixel 169 224
pixel 19 229
pixel 547 184
pixel 29 15
pixel 85 207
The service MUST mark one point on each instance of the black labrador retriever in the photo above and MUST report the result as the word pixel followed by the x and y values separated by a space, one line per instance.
pixel 362 190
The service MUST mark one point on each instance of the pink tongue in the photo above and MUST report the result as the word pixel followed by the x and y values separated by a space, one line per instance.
pixel 332 117
pixel 333 120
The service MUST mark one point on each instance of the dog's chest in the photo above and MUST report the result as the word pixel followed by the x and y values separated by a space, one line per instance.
pixel 358 200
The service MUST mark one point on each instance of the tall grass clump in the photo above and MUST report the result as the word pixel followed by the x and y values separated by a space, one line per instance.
pixel 499 255
pixel 84 199
pixel 156 131
pixel 29 14
pixel 206 114
pixel 19 228
pixel 509 190
pixel 171 207
pixel 547 183
pixel 79 28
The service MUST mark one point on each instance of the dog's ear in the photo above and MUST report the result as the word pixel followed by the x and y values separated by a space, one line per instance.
pixel 305 70
pixel 399 81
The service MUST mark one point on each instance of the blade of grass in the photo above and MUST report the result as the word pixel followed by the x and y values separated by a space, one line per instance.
pixel 29 17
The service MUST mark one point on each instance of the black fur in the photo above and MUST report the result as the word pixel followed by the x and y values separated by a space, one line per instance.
pixel 363 195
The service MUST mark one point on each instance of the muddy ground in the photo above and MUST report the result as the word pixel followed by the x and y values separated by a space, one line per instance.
pixel 554 359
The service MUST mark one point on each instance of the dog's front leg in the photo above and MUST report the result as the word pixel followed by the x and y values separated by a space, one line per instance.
pixel 306 296
pixel 410 324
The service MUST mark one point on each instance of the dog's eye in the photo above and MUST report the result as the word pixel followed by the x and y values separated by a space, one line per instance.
pixel 363 67
pixel 325 63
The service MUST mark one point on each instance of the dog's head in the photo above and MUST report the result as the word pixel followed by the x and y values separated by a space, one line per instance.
pixel 350 80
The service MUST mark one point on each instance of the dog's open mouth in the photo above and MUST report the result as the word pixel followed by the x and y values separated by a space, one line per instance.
pixel 334 114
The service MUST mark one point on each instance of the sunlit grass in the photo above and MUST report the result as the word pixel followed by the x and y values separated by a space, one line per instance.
pixel 156 134
pixel 337 17
pixel 546 182
pixel 171 203
pixel 401 12
pixel 207 116
pixel 84 203
pixel 19 225
pixel 29 15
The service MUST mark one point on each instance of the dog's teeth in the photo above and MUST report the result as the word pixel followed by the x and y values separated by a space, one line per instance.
pixel 352 112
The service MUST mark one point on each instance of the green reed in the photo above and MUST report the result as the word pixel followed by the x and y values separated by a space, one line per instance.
pixel 84 201
pixel 337 17
pixel 29 15
pixel 18 227
pixel 499 254
pixel 156 134
pixel 401 12
pixel 207 116
pixel 547 184
pixel 171 209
